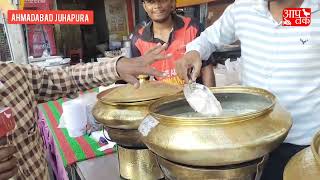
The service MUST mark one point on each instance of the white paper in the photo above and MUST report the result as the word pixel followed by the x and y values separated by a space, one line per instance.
pixel 96 136
pixel 108 146
pixel 147 125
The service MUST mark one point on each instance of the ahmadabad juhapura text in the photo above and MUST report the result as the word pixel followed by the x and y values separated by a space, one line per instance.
pixel 83 18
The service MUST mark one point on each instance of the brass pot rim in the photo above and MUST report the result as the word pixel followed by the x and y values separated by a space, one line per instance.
pixel 315 147
pixel 214 120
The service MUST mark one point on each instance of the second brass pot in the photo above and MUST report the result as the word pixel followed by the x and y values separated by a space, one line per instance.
pixel 215 141
pixel 125 107
pixel 306 163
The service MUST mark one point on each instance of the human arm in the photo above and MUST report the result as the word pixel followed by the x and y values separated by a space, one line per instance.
pixel 52 84
pixel 218 34
pixel 207 75
pixel 8 163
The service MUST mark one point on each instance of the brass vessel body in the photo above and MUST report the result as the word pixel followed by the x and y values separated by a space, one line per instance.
pixel 137 164
pixel 305 164
pixel 121 110
pixel 218 141
pixel 121 122
pixel 129 138
pixel 246 171
pixel 121 116
pixel 128 114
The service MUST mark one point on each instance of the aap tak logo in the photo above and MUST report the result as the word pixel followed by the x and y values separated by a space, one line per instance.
pixel 296 17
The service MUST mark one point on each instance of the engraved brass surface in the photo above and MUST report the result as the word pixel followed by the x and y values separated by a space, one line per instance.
pixel 246 171
pixel 305 164
pixel 126 137
pixel 138 164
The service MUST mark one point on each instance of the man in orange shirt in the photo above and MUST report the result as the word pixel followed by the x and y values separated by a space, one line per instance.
pixel 167 27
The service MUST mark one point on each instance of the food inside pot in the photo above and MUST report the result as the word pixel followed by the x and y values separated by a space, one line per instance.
pixel 233 104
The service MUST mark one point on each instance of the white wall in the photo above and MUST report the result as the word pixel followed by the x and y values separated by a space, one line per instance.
pixel 16 39
pixel 18 44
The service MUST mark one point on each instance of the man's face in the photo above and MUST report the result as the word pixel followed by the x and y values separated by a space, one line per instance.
pixel 159 10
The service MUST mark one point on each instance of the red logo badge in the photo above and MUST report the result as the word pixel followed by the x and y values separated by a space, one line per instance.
pixel 296 17
pixel 7 121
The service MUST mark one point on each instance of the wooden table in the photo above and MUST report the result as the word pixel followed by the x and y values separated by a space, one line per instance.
pixel 105 167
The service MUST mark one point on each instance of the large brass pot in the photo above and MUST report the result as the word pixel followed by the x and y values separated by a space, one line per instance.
pixel 125 107
pixel 123 115
pixel 121 120
pixel 258 127
pixel 121 110
pixel 305 164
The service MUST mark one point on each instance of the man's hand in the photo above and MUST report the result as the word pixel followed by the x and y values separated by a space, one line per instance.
pixel 189 66
pixel 8 163
pixel 129 68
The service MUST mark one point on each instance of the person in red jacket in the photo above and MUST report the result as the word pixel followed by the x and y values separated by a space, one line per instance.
pixel 168 27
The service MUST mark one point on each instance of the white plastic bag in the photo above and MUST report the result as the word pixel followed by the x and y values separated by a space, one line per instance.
pixel 77 115
pixel 74 118
pixel 233 76
pixel 228 74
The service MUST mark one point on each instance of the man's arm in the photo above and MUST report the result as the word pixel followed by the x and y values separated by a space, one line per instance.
pixel 53 84
pixel 50 84
pixel 8 163
pixel 207 75
pixel 219 33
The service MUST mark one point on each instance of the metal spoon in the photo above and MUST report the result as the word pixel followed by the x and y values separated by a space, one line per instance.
pixel 201 99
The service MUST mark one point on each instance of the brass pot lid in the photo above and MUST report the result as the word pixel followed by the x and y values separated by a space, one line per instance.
pixel 305 164
pixel 148 90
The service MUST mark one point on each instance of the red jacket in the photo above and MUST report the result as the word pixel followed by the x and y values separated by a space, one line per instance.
pixel 184 31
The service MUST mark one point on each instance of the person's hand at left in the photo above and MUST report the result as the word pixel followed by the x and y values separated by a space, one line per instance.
pixel 130 68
